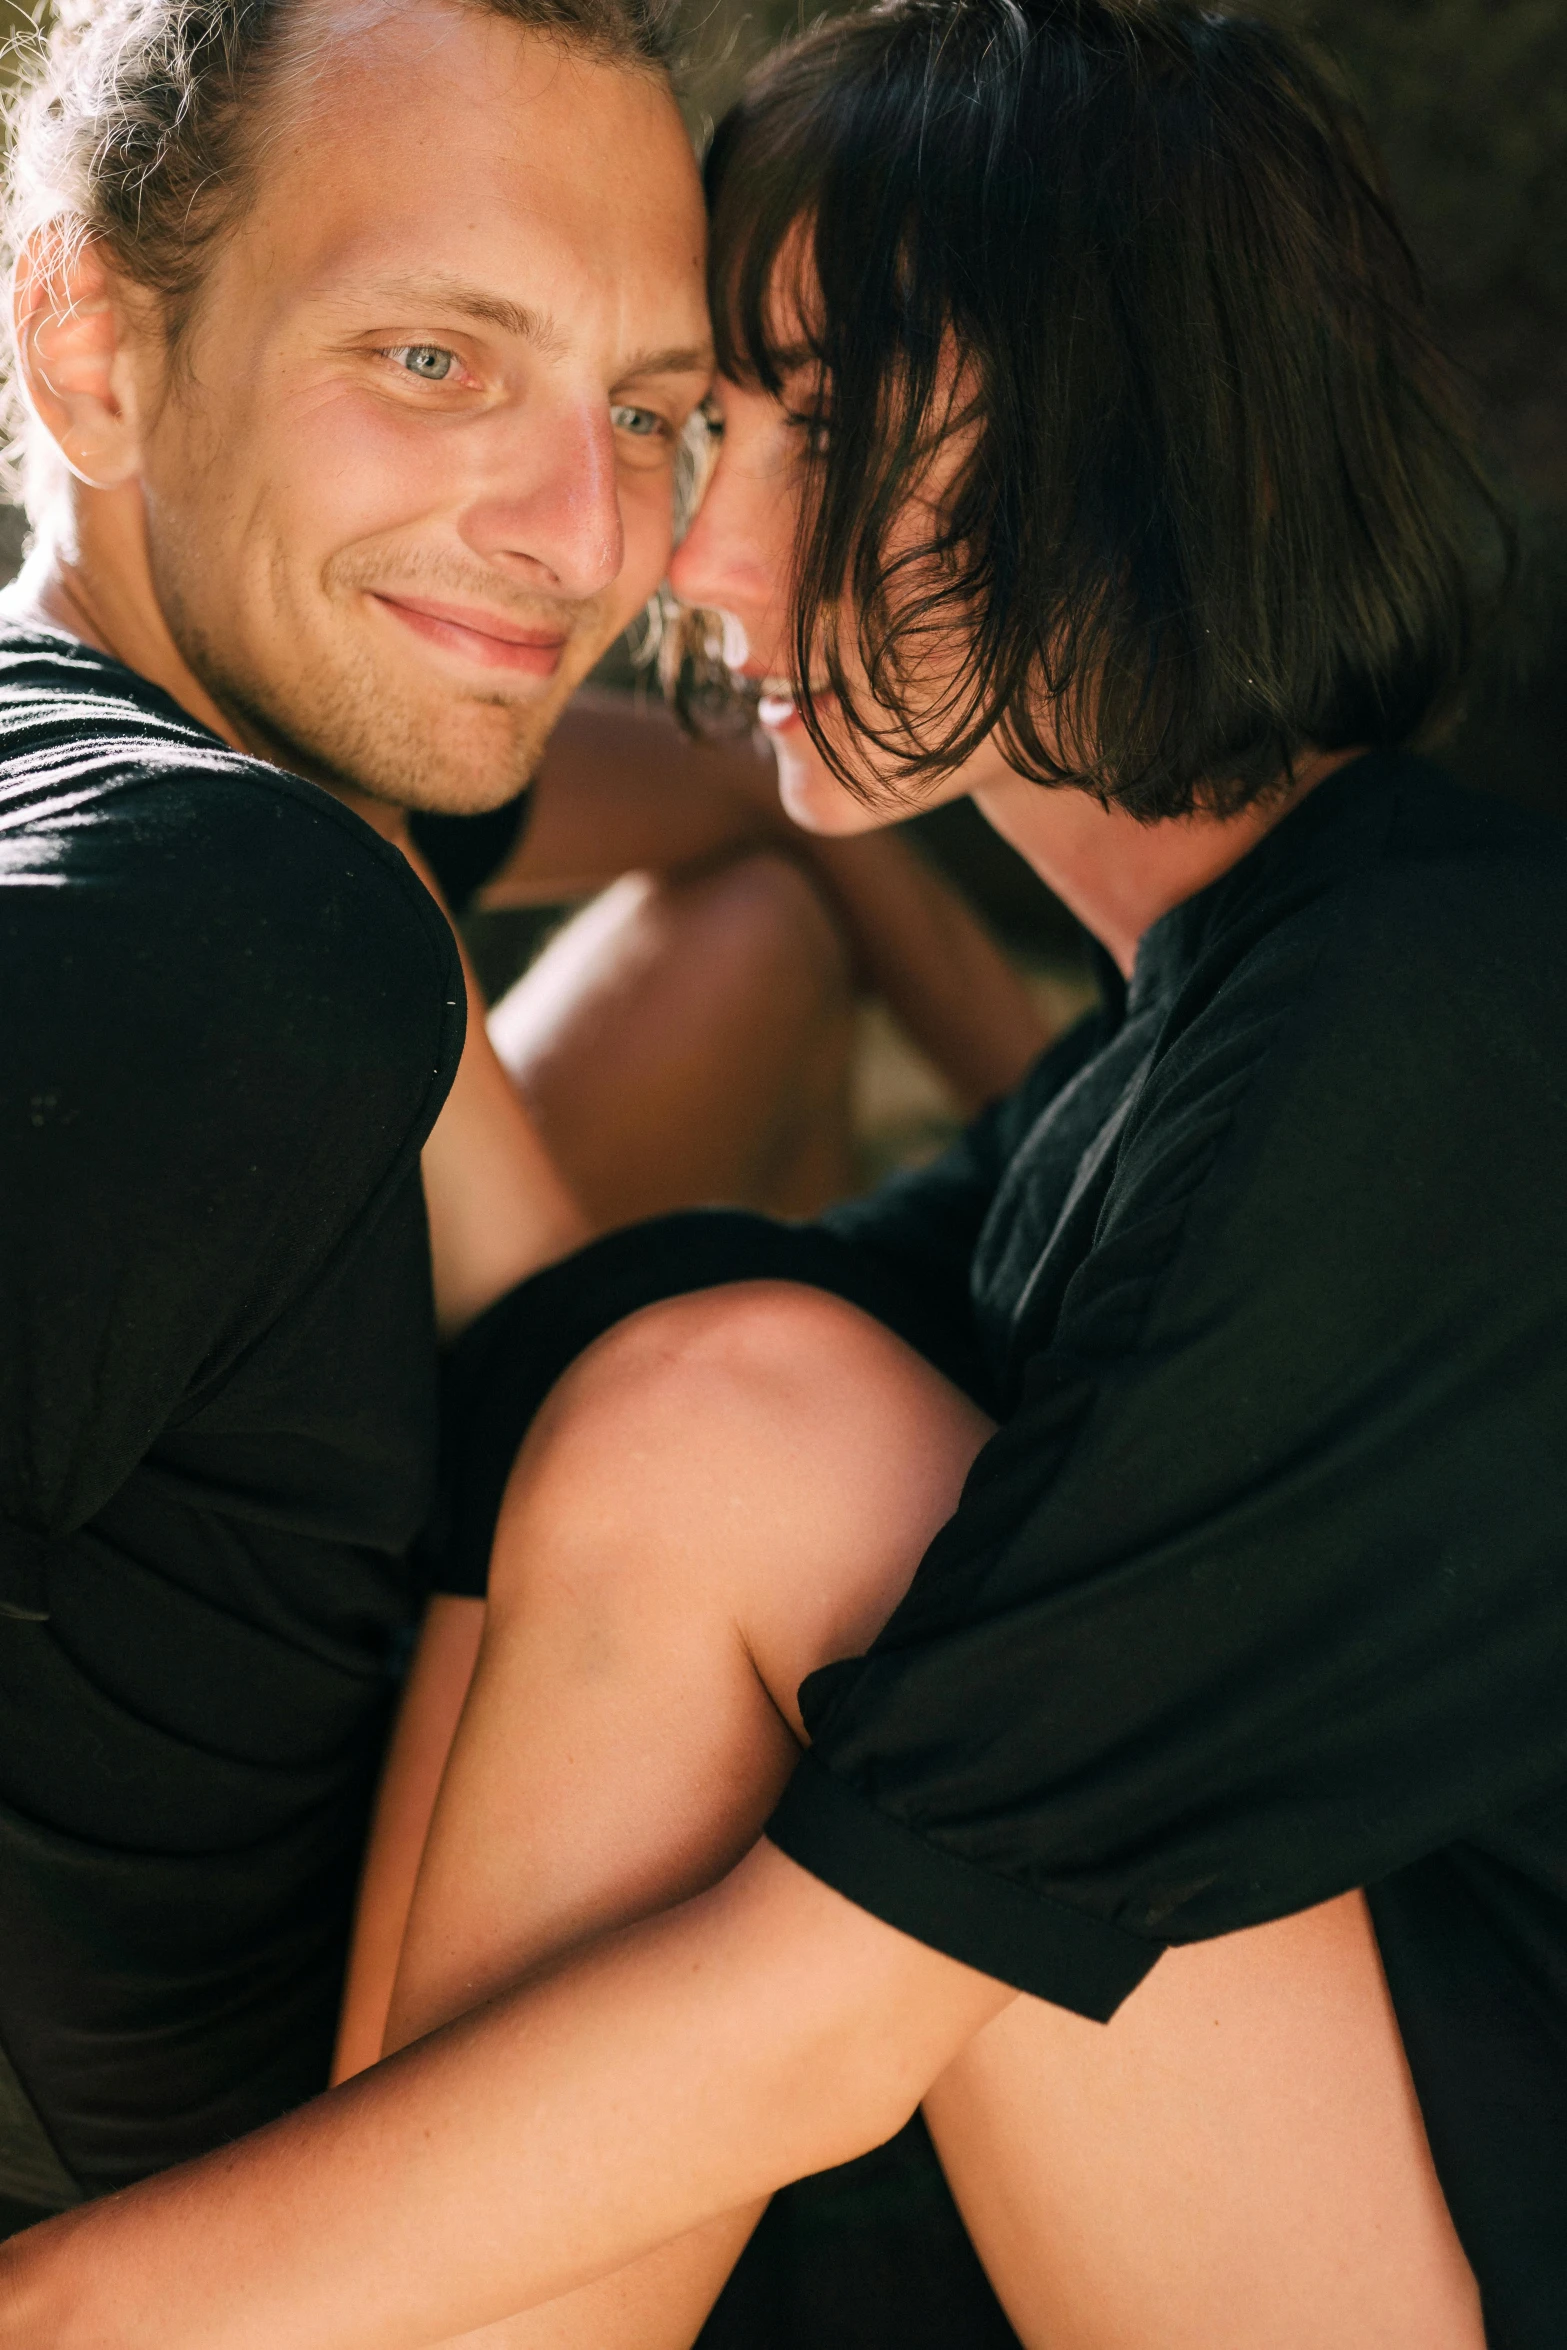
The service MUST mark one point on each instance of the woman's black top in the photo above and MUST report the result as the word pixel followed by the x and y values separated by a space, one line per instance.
pixel 231 1015
pixel 1260 1592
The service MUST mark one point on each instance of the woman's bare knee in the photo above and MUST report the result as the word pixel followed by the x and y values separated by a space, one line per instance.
pixel 764 1450
pixel 688 1038
pixel 724 1492
pixel 767 925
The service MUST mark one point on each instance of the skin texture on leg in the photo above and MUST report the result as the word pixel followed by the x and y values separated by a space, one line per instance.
pixel 623 1748
pixel 689 1038
pixel 580 1794
pixel 1237 2163
pixel 659 2302
pixel 640 2090
pixel 622 789
pixel 432 1703
pixel 726 1490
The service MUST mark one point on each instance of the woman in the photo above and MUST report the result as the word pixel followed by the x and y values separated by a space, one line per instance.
pixel 1148 1517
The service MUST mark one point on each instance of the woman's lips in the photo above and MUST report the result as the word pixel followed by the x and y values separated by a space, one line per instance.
pixel 478 636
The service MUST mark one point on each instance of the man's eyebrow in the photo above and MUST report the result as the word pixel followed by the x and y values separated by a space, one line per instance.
pixel 449 293
pixel 678 359
pixel 532 326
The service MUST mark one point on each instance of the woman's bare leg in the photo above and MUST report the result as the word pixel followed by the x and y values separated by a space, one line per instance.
pixel 1236 2163
pixel 621 1748
pixel 727 1489
pixel 688 1039
pixel 747 1453
pixel 725 1492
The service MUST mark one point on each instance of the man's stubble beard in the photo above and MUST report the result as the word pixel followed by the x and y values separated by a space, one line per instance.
pixel 338 727
pixel 335 721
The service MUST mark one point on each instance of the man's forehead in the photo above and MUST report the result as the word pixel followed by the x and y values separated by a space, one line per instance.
pixel 533 189
pixel 435 106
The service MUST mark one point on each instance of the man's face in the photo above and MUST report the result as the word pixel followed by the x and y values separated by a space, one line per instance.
pixel 412 471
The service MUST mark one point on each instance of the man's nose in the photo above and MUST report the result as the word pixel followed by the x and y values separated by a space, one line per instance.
pixel 549 514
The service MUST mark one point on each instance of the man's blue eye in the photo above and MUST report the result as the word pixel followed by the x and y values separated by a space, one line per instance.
pixel 426 360
pixel 641 421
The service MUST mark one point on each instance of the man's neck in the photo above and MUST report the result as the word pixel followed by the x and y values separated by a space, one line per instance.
pixel 89 574
pixel 1118 876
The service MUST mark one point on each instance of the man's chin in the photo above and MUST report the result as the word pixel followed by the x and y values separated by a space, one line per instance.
pixel 460 758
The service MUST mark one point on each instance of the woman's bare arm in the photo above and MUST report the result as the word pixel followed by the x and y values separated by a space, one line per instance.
pixel 764 2030
pixel 433 1700
pixel 933 963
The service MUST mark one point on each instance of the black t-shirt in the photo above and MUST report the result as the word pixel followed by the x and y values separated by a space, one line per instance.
pixel 231 1016
pixel 464 852
pixel 1260 1592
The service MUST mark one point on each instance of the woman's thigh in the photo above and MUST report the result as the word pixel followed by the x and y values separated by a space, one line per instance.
pixel 1236 2162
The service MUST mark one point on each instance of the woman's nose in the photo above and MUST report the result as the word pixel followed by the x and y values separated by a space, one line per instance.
pixel 735 555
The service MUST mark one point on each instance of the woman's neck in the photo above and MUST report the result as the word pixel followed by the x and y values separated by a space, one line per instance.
pixel 1118 876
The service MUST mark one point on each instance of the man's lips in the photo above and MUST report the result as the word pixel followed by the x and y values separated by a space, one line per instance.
pixel 479 636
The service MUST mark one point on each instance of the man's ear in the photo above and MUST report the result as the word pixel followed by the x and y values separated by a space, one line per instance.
pixel 73 334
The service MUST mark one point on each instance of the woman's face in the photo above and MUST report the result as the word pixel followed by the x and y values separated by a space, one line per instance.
pixel 735 559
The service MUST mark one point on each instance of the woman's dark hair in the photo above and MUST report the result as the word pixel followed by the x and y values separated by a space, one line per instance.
pixel 1136 263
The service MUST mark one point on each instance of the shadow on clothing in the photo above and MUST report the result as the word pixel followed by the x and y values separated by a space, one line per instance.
pixel 872 2256
pixel 14 2216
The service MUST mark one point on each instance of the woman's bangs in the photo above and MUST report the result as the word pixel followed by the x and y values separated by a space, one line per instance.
pixel 764 206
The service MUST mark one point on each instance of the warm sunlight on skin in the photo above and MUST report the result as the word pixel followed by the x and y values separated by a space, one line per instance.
pixel 736 559
pixel 412 471
pixel 1117 875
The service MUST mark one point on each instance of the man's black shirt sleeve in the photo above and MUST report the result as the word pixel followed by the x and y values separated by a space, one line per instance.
pixel 232 1015
pixel 240 1049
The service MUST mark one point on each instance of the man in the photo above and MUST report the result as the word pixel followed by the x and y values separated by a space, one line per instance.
pixel 358 343
pixel 369 459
